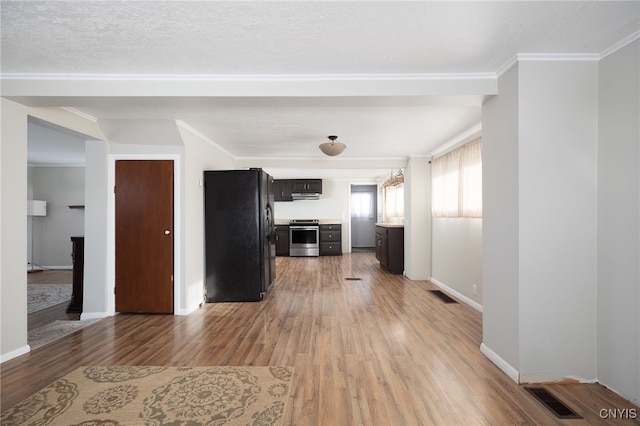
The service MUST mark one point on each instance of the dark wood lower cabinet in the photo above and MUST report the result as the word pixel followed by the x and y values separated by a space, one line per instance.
pixel 390 247
pixel 282 240
pixel 330 240
pixel 77 256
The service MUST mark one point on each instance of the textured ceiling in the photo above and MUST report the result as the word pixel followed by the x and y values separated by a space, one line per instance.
pixel 314 37
pixel 380 58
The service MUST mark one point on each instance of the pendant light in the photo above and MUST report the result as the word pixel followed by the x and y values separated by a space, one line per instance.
pixel 332 148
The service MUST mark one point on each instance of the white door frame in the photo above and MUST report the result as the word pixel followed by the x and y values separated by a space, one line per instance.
pixel 111 227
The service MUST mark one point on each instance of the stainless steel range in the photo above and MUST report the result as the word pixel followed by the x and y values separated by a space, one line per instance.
pixel 304 237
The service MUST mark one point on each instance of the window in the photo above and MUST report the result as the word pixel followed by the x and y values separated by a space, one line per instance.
pixel 362 205
pixel 457 182
pixel 394 198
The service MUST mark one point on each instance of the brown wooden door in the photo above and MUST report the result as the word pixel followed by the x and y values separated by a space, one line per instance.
pixel 144 236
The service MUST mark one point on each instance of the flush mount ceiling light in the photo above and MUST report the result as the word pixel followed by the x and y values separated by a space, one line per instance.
pixel 332 148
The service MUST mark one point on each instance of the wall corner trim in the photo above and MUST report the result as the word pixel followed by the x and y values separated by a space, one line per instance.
pixel 500 363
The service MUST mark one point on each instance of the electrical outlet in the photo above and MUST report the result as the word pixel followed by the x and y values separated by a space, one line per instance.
pixel 475 289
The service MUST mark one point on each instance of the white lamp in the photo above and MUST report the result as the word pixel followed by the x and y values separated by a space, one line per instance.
pixel 35 208
pixel 332 148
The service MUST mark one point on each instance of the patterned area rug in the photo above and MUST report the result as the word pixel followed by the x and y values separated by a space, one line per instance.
pixel 129 395
pixel 54 331
pixel 41 296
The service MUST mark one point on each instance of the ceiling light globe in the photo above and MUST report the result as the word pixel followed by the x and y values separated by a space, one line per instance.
pixel 332 148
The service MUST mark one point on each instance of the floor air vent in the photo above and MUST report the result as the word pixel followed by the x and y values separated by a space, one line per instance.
pixel 353 279
pixel 556 406
pixel 443 296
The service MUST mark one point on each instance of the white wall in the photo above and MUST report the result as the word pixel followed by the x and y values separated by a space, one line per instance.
pixel 456 247
pixel 199 155
pixel 14 226
pixel 618 269
pixel 456 255
pixel 417 219
pixel 557 219
pixel 60 187
pixel 13 230
pixel 29 221
pixel 539 221
pixel 137 145
pixel 94 302
pixel 500 212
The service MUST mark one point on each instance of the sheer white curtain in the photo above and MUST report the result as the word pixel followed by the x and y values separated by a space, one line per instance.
pixel 471 179
pixel 457 182
pixel 444 182
pixel 394 202
pixel 362 205
pixel 393 192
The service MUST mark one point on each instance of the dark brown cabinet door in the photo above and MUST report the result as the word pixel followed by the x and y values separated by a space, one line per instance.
pixel 144 236
pixel 282 190
pixel 390 248
pixel 381 246
pixel 282 240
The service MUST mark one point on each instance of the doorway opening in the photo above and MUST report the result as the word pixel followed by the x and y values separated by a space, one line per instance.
pixel 364 211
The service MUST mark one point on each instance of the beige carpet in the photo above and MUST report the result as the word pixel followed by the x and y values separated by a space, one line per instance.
pixel 130 395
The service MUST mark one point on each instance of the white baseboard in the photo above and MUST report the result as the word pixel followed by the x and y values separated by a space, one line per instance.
pixel 500 363
pixel 49 267
pixel 552 378
pixel 475 305
pixel 187 311
pixel 94 315
pixel 14 354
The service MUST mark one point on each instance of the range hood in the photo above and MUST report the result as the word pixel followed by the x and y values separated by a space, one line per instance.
pixel 305 196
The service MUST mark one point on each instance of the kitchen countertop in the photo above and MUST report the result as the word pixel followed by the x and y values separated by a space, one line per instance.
pixel 390 225
pixel 320 221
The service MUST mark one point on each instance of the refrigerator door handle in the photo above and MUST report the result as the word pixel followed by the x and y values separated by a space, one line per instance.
pixel 269 225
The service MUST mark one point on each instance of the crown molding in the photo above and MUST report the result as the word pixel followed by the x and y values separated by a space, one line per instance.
pixel 193 131
pixel 247 77
pixel 523 57
pixel 619 45
pixel 560 57
pixel 365 161
pixel 507 66
pixel 67 165
pixel 80 114
pixel 465 137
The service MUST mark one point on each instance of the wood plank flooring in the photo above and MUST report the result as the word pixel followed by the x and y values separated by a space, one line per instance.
pixel 50 276
pixel 381 350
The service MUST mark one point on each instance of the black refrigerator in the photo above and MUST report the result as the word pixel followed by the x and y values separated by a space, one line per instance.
pixel 239 235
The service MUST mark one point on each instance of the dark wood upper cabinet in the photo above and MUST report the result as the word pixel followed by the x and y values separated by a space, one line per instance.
pixel 283 188
pixel 306 186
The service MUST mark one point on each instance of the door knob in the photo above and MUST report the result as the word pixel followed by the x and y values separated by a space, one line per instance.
pixel 167 232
